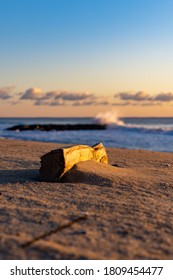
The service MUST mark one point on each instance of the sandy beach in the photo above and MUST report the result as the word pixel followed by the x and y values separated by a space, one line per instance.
pixel 118 211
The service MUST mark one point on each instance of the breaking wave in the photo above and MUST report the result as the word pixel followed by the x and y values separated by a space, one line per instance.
pixel 112 121
pixel 109 118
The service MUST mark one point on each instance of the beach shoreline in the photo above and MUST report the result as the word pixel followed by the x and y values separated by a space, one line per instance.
pixel 126 206
pixel 154 134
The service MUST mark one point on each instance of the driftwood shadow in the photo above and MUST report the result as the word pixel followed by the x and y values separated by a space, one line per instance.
pixel 19 176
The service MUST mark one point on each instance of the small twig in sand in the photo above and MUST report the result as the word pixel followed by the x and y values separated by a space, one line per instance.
pixel 69 224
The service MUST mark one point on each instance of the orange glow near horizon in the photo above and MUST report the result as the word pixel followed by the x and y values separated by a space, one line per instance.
pixel 21 110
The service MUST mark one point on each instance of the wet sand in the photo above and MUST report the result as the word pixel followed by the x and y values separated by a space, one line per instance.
pixel 123 210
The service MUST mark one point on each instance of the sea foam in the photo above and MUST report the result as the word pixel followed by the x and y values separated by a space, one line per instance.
pixel 108 118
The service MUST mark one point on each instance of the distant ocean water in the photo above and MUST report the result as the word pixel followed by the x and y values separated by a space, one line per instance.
pixel 134 133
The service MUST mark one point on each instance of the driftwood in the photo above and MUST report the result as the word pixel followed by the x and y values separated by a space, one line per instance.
pixel 55 163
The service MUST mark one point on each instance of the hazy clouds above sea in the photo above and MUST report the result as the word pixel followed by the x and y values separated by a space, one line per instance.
pixel 38 97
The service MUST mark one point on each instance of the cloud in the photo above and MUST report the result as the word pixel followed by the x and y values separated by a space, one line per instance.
pixel 5 92
pixel 73 96
pixel 43 102
pixel 164 97
pixel 66 96
pixel 144 99
pixel 84 103
pixel 151 103
pixel 75 99
pixel 58 98
pixel 49 95
pixel 94 101
pixel 138 96
pixel 59 102
pixel 4 95
pixel 121 104
pixel 32 94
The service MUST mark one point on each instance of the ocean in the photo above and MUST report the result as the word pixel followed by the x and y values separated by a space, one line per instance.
pixel 155 134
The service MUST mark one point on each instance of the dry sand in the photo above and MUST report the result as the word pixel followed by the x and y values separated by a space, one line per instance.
pixel 124 211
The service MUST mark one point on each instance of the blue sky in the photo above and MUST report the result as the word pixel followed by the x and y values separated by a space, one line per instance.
pixel 98 46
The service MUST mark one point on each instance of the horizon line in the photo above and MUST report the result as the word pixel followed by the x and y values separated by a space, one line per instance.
pixel 89 117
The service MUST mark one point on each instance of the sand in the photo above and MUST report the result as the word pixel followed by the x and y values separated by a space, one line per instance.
pixel 123 210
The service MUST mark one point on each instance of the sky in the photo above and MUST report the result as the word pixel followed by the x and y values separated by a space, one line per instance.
pixel 80 57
